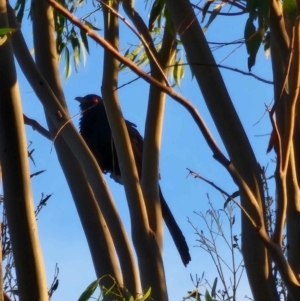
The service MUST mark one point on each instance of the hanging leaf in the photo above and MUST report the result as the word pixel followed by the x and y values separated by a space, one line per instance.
pixel 267 44
pixel 131 55
pixel 205 9
pixel 143 58
pixel 84 40
pixel 155 13
pixel 76 48
pixel 207 296
pixel 234 195
pixel 178 71
pixel 90 25
pixel 83 51
pixel 68 68
pixel 290 10
pixel 213 15
pixel 253 40
pixel 214 287
pixel 89 290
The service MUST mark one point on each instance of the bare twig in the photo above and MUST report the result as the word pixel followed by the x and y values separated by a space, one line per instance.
pixel 235 3
pixel 55 282
pixel 197 175
pixel 228 68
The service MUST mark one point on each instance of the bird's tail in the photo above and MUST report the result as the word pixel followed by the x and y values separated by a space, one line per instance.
pixel 175 231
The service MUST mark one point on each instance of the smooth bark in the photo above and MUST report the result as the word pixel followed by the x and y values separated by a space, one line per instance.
pixel 144 240
pixel 18 200
pixel 234 138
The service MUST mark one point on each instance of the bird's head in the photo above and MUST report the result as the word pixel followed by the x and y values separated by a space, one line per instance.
pixel 88 101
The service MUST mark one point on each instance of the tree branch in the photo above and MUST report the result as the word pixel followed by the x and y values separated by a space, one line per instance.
pixel 37 127
pixel 149 49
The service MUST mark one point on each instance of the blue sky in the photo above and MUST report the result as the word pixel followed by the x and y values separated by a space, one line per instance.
pixel 62 239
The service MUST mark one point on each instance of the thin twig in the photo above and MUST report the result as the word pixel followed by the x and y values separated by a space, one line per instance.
pixel 145 44
pixel 244 11
pixel 197 175
pixel 228 68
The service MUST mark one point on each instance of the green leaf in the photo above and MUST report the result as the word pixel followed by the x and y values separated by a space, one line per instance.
pixel 234 195
pixel 142 59
pixel 290 10
pixel 90 25
pixel 68 68
pixel 253 46
pixel 127 295
pixel 5 31
pixel 84 40
pixel 145 296
pixel 156 11
pixel 250 30
pixel 205 9
pixel 253 41
pixel 169 22
pixel 178 71
pixel 89 290
pixel 213 15
pixel 83 51
pixel 76 48
pixel 132 56
pixel 207 296
pixel 214 287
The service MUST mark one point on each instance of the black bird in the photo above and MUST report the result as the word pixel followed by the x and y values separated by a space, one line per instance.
pixel 95 130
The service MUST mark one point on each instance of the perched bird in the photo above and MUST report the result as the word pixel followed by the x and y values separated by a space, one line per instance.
pixel 95 130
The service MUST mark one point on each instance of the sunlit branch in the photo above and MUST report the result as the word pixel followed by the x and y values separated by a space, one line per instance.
pixel 281 170
pixel 37 127
pixel 278 29
pixel 145 44
pixel 285 78
pixel 294 84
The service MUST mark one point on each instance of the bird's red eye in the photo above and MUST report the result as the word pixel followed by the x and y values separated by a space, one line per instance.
pixel 95 100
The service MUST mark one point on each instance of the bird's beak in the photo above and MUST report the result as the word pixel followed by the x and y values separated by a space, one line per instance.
pixel 80 99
